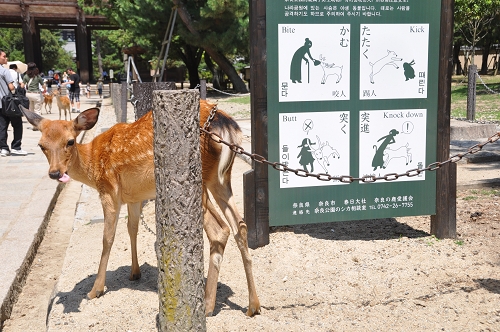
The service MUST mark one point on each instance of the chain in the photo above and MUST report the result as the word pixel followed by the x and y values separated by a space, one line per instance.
pixel 143 222
pixel 347 178
pixel 210 118
pixel 485 86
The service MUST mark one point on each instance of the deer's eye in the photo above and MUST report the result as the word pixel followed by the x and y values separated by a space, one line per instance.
pixel 71 142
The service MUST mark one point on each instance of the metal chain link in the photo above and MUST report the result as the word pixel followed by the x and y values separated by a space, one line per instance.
pixel 486 87
pixel 143 222
pixel 347 178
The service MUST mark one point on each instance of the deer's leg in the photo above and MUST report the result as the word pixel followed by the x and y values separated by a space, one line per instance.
pixel 223 194
pixel 217 233
pixel 134 214
pixel 111 208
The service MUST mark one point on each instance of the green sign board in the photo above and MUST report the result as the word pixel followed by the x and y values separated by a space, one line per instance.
pixel 352 91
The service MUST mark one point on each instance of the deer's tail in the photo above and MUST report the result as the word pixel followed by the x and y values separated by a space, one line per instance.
pixel 231 133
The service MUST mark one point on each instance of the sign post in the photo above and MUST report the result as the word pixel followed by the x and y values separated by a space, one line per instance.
pixel 353 90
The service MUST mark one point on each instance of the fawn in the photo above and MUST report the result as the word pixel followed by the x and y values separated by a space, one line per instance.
pixel 47 101
pixel 128 178
pixel 63 103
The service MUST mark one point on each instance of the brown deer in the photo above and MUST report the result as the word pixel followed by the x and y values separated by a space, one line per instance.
pixel 47 101
pixel 63 103
pixel 128 178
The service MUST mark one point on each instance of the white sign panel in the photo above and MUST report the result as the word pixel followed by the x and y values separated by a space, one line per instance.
pixel 392 141
pixel 314 62
pixel 393 61
pixel 316 142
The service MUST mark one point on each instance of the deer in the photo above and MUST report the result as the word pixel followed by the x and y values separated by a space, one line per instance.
pixel 47 101
pixel 128 178
pixel 63 103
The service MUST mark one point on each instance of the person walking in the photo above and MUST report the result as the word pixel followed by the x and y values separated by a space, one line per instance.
pixel 88 90
pixel 6 85
pixel 33 82
pixel 74 90
pixel 99 87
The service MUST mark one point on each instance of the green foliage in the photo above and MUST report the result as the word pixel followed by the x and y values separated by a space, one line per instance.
pixel 111 44
pixel 473 20
pixel 220 24
pixel 53 53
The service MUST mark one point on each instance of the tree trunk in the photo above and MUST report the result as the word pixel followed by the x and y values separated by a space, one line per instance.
pixel 191 56
pixel 98 52
pixel 220 59
pixel 456 59
pixel 484 62
pixel 215 74
pixel 179 221
pixel 228 68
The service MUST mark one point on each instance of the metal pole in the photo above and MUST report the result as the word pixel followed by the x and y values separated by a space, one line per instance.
pixel 168 45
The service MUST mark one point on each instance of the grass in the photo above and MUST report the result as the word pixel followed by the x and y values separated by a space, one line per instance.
pixel 487 101
pixel 476 193
pixel 245 100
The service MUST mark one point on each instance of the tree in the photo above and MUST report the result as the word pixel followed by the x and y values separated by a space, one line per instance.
pixel 53 53
pixel 217 27
pixel 472 19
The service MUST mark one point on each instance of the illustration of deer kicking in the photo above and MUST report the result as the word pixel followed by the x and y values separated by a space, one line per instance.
pixel 128 178
pixel 324 152
pixel 388 60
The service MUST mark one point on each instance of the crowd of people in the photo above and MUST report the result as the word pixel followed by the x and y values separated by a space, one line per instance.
pixel 35 84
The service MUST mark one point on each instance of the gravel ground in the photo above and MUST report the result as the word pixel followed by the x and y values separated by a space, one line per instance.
pixel 374 275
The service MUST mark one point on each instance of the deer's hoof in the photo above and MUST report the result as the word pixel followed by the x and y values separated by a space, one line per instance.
pixel 253 310
pixel 135 276
pixel 94 294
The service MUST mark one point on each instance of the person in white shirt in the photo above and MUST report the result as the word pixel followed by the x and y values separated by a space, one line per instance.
pixel 15 75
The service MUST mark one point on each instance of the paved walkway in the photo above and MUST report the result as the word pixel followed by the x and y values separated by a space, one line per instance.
pixel 28 197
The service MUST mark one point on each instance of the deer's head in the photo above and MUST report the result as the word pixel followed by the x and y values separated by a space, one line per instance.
pixel 58 141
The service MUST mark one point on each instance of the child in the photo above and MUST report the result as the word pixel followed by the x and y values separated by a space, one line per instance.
pixel 87 89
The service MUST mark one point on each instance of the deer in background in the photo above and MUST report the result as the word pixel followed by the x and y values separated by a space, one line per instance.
pixel 119 163
pixel 47 101
pixel 63 103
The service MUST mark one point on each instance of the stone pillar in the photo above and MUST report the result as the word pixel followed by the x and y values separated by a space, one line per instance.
pixel 143 93
pixel 179 221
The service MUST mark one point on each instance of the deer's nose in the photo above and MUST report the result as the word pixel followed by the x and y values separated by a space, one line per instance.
pixel 55 175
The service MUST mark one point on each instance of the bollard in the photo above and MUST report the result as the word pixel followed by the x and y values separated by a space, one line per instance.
pixel 123 103
pixel 143 93
pixel 179 221
pixel 203 89
pixel 471 93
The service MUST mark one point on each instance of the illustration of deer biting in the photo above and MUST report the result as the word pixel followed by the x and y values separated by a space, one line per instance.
pixel 119 163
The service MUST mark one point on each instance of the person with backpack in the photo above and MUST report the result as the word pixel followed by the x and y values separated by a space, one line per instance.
pixel 6 86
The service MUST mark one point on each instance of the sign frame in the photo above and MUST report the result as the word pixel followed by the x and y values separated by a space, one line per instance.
pixel 443 223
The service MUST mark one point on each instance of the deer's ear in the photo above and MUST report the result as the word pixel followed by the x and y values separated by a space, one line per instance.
pixel 32 117
pixel 87 119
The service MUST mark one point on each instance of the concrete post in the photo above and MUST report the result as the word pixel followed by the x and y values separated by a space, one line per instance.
pixel 471 93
